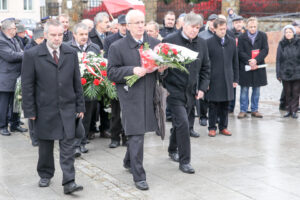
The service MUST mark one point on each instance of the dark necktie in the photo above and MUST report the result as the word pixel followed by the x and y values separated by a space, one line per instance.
pixel 55 56
pixel 81 47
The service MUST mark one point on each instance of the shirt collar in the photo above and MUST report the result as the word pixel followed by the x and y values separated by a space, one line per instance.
pixel 142 39
pixel 184 36
pixel 51 50
pixel 84 46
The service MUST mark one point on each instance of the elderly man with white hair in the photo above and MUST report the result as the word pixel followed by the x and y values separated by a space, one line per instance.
pixel 185 88
pixel 136 102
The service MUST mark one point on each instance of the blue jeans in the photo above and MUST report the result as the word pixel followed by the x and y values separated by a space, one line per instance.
pixel 244 99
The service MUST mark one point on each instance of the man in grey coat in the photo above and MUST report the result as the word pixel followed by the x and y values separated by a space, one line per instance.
pixel 11 57
pixel 138 116
pixel 53 98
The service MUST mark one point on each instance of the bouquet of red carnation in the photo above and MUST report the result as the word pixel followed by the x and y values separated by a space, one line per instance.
pixel 164 54
pixel 93 70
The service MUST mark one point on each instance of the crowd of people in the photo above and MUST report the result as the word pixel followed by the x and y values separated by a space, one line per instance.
pixel 231 52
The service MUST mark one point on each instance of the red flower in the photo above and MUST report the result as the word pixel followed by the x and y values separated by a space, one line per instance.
pixel 165 51
pixel 104 73
pixel 96 82
pixel 103 64
pixel 83 81
pixel 113 83
pixel 175 51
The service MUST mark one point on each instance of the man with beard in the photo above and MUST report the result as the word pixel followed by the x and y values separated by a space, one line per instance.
pixel 53 98
pixel 185 88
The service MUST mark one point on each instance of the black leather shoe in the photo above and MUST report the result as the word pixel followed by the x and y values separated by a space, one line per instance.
pixel 187 168
pixel 174 156
pixel 72 187
pixel 35 143
pixel 77 152
pixel 142 185
pixel 294 115
pixel 83 149
pixel 18 129
pixel 4 132
pixel 288 114
pixel 114 144
pixel 169 118
pixel 203 122
pixel 44 182
pixel 194 134
pixel 95 130
pixel 21 123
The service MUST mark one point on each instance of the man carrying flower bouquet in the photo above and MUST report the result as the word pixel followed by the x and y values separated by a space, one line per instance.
pixel 183 89
pixel 82 43
pixel 137 101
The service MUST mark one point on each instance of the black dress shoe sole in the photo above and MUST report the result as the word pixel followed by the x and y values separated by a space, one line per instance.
pixel 5 134
pixel 44 184
pixel 187 171
pixel 77 189
pixel 195 136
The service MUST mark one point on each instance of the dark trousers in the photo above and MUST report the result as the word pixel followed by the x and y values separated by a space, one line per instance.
pixel 282 98
pixel 32 134
pixel 180 133
pixel 6 108
pixel 203 108
pixel 232 103
pixel 292 92
pixel 90 106
pixel 46 166
pixel 218 109
pixel 134 157
pixel 101 114
pixel 116 128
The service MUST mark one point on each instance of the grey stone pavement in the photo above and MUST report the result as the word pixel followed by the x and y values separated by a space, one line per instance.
pixel 260 161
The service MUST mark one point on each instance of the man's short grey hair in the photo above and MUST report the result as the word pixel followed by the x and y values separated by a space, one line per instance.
pixel 99 17
pixel 7 24
pixel 153 23
pixel 80 25
pixel 132 14
pixel 86 21
pixel 193 19
pixel 52 22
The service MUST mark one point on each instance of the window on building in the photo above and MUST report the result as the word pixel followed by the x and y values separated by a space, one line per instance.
pixel 3 4
pixel 27 4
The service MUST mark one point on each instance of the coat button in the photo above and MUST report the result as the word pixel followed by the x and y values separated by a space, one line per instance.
pixel 59 84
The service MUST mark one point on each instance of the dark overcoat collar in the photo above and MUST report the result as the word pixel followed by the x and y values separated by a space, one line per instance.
pixel 245 36
pixel 219 39
pixel 43 51
pixel 134 44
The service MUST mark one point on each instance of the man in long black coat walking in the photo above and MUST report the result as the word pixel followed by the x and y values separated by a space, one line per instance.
pixel 223 56
pixel 116 128
pixel 183 89
pixel 137 102
pixel 53 97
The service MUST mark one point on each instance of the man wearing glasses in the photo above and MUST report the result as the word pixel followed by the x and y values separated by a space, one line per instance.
pixel 136 102
pixel 11 57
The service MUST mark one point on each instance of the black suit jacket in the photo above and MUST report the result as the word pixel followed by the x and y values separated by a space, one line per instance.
pixel 109 40
pixel 95 39
pixel 52 93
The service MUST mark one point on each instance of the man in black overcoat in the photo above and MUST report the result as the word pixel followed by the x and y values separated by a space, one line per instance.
pixel 82 43
pixel 184 91
pixel 223 56
pixel 116 128
pixel 97 36
pixel 138 116
pixel 64 20
pixel 253 49
pixel 53 98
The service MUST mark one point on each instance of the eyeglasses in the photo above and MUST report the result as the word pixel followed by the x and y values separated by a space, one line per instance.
pixel 138 23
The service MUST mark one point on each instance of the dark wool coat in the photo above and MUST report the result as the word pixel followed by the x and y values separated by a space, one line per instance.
pixel 32 43
pixel 224 69
pixel 68 35
pixel 182 86
pixel 136 102
pixel 95 39
pixel 10 63
pixel 109 40
pixel 257 77
pixel 52 93
pixel 165 31
pixel 288 60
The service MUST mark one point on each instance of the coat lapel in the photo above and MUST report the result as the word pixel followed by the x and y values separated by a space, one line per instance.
pixel 64 51
pixel 45 52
